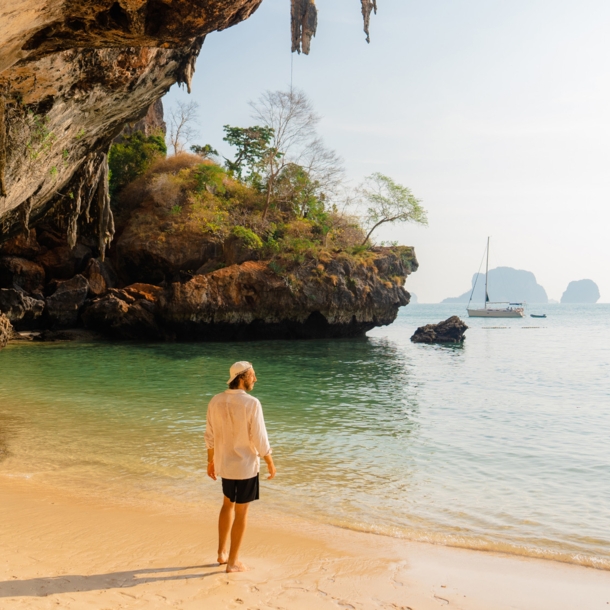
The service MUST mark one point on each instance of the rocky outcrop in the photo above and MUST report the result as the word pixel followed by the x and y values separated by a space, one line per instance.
pixel 6 330
pixel 450 331
pixel 22 310
pixel 127 314
pixel 64 305
pixel 506 285
pixel 100 276
pixel 581 291
pixel 22 273
pixel 339 297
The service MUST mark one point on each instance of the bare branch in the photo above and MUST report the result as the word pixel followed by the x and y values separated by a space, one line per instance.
pixel 182 125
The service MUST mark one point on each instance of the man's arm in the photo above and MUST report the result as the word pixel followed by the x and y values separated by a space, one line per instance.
pixel 209 441
pixel 260 440
pixel 211 469
pixel 270 466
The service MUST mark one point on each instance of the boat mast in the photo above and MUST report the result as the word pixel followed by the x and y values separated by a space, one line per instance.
pixel 486 272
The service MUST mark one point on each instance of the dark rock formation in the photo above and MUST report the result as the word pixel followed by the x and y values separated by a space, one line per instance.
pixel 22 273
pixel 450 331
pixel 23 245
pixel 6 330
pixel 22 310
pixel 63 262
pixel 64 305
pixel 505 285
pixel 127 314
pixel 581 291
pixel 100 276
pixel 339 298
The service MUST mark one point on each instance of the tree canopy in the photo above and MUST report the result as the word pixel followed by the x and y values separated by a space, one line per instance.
pixel 389 202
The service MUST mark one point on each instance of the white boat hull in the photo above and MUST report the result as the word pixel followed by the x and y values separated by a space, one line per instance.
pixel 495 313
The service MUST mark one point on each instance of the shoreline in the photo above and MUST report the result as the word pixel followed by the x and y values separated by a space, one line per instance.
pixel 68 551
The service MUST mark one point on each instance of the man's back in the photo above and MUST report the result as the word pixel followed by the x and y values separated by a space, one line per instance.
pixel 236 431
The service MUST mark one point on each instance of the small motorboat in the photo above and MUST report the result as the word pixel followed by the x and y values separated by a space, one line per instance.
pixel 538 315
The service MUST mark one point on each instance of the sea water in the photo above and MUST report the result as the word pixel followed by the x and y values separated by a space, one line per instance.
pixel 502 443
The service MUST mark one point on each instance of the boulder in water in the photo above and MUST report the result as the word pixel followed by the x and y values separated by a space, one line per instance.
pixel 450 331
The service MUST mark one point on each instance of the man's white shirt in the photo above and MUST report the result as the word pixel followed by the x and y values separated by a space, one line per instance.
pixel 235 429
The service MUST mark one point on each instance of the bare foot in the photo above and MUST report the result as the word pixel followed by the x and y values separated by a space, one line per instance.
pixel 238 566
pixel 222 558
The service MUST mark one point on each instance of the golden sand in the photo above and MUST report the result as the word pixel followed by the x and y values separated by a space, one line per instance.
pixel 64 552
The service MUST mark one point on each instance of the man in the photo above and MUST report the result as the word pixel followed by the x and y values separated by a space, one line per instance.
pixel 236 437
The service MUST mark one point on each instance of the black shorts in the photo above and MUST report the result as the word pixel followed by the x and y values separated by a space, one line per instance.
pixel 241 491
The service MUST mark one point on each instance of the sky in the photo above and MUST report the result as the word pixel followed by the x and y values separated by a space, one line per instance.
pixel 496 114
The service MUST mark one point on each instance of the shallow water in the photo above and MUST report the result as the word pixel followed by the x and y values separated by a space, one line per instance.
pixel 499 444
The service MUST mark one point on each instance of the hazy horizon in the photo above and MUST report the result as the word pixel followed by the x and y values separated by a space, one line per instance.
pixel 493 113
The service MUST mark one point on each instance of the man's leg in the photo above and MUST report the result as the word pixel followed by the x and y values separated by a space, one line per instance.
pixel 237 535
pixel 225 521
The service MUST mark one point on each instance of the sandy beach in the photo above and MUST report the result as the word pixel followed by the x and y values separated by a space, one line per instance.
pixel 60 551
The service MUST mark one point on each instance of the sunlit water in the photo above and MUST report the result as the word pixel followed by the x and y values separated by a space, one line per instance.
pixel 499 444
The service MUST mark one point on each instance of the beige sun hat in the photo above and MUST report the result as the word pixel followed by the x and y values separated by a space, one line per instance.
pixel 238 368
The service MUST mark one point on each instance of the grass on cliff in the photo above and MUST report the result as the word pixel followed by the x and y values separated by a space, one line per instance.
pixel 187 194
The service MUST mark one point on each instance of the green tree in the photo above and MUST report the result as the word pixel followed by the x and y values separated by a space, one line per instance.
pixel 253 148
pixel 291 117
pixel 389 202
pixel 131 157
pixel 206 151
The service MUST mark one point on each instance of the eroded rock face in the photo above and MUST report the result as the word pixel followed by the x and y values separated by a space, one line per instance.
pixel 339 298
pixel 71 75
pixel 100 276
pixel 64 305
pixel 22 310
pixel 22 273
pixel 130 313
pixel 450 331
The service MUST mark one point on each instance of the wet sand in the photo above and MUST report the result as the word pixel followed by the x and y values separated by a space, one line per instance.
pixel 63 552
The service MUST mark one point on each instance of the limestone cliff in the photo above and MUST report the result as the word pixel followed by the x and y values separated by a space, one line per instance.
pixel 73 73
pixel 339 297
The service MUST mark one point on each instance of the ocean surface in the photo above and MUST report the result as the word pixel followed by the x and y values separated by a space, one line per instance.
pixel 502 443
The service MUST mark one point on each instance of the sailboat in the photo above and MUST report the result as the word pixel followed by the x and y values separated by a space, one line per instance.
pixel 493 310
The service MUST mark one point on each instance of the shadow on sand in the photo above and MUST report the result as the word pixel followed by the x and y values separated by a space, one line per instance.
pixel 72 583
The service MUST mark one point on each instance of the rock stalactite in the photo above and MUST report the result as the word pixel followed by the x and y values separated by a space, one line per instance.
pixel 304 21
pixel 105 230
pixel 368 6
pixel 6 330
pixel 2 146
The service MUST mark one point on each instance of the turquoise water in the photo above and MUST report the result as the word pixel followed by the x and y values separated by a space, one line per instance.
pixel 500 444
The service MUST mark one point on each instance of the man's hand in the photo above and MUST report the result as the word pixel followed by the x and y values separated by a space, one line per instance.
pixel 270 466
pixel 211 470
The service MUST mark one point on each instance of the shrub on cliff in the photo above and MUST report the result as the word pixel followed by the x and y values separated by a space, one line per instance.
pixel 131 157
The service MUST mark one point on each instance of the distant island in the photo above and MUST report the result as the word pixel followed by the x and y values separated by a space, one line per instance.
pixel 581 291
pixel 505 285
